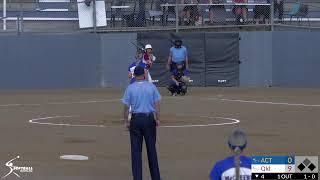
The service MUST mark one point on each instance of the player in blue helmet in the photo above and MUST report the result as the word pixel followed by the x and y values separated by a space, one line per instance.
pixel 179 80
pixel 138 62
pixel 237 166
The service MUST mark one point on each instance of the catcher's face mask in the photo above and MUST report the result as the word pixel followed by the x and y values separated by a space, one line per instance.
pixel 179 66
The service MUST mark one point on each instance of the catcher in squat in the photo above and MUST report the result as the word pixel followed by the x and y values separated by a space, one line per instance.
pixel 179 80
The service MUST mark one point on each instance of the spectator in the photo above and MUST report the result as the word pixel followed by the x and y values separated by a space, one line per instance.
pixel 240 11
pixel 168 10
pixel 261 13
pixel 190 13
pixel 278 6
pixel 212 8
pixel 234 166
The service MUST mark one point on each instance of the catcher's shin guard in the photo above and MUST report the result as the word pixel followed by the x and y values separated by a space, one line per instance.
pixel 174 89
pixel 171 89
pixel 183 89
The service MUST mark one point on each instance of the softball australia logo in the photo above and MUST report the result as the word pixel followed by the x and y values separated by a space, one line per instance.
pixel 16 170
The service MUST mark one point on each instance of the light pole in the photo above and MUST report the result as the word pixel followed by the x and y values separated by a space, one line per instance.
pixel 94 16
pixel 4 14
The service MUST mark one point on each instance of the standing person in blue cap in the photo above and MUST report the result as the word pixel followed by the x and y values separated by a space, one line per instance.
pixel 238 166
pixel 144 99
pixel 137 62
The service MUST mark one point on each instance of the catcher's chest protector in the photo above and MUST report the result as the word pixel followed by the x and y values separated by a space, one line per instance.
pixel 179 74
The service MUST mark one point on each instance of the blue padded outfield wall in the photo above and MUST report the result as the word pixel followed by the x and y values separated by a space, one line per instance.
pixel 256 59
pixel 296 59
pixel 117 53
pixel 49 61
pixel 278 59
pixel 213 57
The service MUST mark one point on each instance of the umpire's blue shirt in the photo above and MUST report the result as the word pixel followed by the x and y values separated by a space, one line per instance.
pixel 178 54
pixel 141 96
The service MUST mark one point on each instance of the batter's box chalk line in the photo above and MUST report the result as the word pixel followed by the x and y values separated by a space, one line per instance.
pixel 262 102
pixel 230 121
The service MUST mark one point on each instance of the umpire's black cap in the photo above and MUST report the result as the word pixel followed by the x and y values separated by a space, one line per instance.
pixel 178 43
pixel 138 71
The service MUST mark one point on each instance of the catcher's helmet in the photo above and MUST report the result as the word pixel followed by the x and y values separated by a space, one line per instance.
pixel 238 139
pixel 178 43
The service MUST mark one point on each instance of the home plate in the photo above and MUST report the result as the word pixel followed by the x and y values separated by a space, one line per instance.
pixel 74 157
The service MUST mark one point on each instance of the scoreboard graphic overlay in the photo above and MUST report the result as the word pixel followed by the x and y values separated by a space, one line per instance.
pixel 285 167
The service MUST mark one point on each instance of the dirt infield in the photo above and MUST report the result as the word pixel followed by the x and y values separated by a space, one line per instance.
pixel 192 137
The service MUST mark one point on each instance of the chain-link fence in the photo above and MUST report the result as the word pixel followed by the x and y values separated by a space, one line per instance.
pixel 132 15
pixel 221 13
pixel 38 16
pixel 297 14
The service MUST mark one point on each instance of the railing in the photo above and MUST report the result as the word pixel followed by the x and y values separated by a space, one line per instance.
pixel 134 15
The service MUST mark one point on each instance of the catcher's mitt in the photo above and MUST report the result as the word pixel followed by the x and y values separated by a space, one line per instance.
pixel 185 79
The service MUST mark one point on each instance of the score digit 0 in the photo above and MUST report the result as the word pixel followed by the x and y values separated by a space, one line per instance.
pixel 290 160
